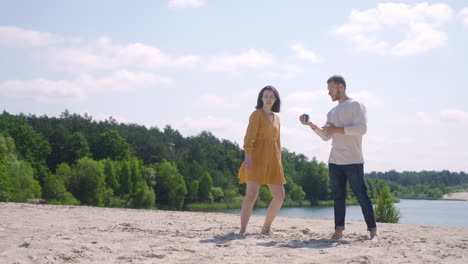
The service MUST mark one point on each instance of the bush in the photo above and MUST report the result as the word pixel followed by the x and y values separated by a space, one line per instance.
pixel 218 194
pixel 144 197
pixel 296 193
pixel 385 211
pixel 264 194
pixel 229 195
pixel 54 190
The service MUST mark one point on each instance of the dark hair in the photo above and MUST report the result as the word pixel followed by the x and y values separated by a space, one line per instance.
pixel 338 79
pixel 276 106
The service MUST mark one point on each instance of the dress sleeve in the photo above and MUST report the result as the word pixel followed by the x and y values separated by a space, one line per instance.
pixel 251 134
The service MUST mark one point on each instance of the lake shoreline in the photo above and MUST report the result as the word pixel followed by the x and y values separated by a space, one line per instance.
pixel 460 196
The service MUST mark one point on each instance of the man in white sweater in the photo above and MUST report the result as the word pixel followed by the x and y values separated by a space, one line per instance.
pixel 346 124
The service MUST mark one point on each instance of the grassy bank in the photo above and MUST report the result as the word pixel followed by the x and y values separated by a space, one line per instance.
pixel 261 204
pixel 238 204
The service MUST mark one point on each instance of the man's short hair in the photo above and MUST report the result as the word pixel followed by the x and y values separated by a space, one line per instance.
pixel 337 79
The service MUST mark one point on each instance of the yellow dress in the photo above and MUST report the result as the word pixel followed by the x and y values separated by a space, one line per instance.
pixel 262 141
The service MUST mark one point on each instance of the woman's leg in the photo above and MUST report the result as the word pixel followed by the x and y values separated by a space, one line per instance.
pixel 277 190
pixel 251 194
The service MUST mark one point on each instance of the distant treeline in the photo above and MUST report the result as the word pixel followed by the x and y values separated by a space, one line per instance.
pixel 73 159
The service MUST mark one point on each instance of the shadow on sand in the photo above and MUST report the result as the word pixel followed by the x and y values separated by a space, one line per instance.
pixel 310 243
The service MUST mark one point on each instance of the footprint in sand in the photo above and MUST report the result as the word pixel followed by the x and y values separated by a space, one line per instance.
pixel 153 255
pixel 222 245
pixel 25 245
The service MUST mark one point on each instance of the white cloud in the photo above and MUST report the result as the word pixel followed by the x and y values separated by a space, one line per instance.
pixel 464 16
pixel 453 116
pixel 305 98
pixel 44 90
pixel 185 3
pixel 297 111
pixel 80 56
pixel 425 117
pixel 18 37
pixel 103 54
pixel 248 59
pixel 366 97
pixel 301 52
pixel 286 72
pixel 124 81
pixel 220 127
pixel 421 25
pixel 421 38
pixel 218 101
pixel 302 139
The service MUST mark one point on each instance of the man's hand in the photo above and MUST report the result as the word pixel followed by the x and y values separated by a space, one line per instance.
pixel 332 129
pixel 302 120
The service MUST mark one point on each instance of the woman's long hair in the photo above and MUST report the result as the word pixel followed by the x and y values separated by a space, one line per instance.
pixel 276 106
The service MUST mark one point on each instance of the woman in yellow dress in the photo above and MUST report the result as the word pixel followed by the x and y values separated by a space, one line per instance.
pixel 262 164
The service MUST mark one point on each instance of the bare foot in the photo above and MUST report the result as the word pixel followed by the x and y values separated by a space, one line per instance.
pixel 241 233
pixel 373 236
pixel 337 235
pixel 267 232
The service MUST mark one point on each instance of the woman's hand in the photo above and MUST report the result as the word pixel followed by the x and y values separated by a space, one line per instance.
pixel 248 162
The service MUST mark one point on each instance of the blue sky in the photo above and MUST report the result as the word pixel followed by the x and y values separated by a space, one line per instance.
pixel 199 65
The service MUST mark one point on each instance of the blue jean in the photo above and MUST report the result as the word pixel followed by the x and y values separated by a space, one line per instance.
pixel 339 174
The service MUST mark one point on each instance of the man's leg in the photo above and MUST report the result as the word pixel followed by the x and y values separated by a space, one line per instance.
pixel 355 173
pixel 338 188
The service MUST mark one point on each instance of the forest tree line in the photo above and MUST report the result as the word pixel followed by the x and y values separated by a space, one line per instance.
pixel 73 159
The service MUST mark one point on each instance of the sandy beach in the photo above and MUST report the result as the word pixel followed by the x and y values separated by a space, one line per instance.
pixel 457 196
pixel 68 234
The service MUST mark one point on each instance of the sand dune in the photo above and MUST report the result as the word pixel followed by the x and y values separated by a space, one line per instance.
pixel 67 234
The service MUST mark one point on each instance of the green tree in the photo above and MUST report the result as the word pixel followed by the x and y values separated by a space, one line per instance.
pixel 193 191
pixel 205 187
pixel 6 188
pixel 150 176
pixel 136 170
pixel 65 173
pixel 296 193
pixel 385 211
pixel 111 175
pixel 170 185
pixel 55 192
pixel 88 182
pixel 22 177
pixel 112 145
pixel 144 197
pixel 77 148
pixel 30 145
pixel 125 178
